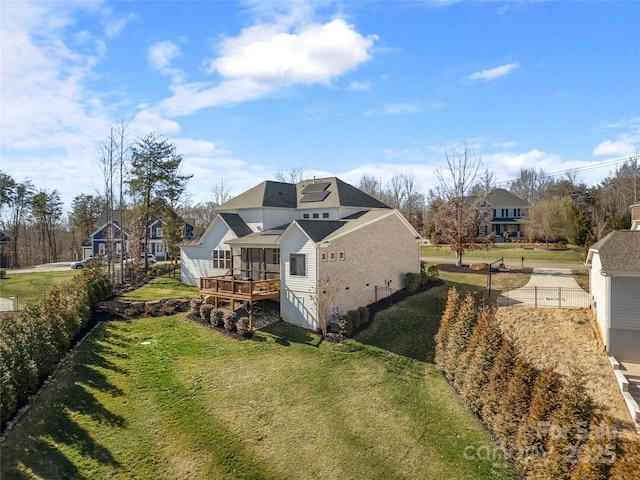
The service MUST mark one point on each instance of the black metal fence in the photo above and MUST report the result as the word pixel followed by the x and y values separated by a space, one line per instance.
pixel 545 297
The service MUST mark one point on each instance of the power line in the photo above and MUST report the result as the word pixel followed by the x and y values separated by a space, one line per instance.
pixel 606 163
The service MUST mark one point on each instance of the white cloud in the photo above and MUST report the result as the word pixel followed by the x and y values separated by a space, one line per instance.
pixel 265 58
pixel 399 108
pixel 161 53
pixel 146 121
pixel 44 99
pixel 614 148
pixel 359 86
pixel 493 73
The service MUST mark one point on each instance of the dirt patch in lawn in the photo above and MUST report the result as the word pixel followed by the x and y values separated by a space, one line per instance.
pixel 564 338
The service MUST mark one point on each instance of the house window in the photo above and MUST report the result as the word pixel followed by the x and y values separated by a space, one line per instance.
pixel 333 256
pixel 276 256
pixel 505 212
pixel 159 232
pixel 222 259
pixel 325 215
pixel 323 256
pixel 495 213
pixel 316 215
pixel 341 255
pixel 305 215
pixel 297 264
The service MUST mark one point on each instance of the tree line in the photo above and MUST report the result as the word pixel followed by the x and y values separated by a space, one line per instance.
pixel 143 179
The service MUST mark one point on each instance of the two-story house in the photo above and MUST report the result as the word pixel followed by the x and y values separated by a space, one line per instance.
pixel 506 215
pixel 110 228
pixel 282 241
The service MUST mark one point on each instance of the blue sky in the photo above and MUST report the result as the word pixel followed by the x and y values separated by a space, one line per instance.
pixel 245 89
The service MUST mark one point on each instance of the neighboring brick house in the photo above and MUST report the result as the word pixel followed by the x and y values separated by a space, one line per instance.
pixel 506 216
pixel 614 284
pixel 280 241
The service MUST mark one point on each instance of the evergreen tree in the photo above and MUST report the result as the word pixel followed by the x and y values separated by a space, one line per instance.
pixel 460 334
pixel 449 317
pixel 499 377
pixel 483 347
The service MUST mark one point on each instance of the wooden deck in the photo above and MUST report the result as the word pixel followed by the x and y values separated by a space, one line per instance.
pixel 232 290
pixel 246 290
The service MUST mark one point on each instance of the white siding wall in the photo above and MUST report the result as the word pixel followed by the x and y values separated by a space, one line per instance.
pixel 276 217
pixel 296 300
pixel 598 285
pixel 625 303
pixel 196 261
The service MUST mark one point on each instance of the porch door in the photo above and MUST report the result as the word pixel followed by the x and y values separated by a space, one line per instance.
pixel 255 263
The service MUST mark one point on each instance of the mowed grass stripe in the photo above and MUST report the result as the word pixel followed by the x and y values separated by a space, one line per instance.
pixel 166 398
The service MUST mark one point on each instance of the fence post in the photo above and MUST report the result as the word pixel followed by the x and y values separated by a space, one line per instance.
pixel 559 297
pixel 535 295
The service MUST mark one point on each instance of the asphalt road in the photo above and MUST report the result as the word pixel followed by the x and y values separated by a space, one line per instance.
pixel 47 267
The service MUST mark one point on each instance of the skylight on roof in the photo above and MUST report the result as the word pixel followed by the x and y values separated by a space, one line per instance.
pixel 314 197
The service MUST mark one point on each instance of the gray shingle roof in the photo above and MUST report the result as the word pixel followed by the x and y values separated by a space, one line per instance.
pixel 336 194
pixel 266 194
pixel 236 224
pixel 319 229
pixel 501 198
pixel 619 252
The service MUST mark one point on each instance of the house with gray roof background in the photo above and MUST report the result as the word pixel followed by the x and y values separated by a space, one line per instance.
pixel 285 240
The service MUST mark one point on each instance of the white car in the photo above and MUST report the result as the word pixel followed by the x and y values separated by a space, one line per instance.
pixel 81 263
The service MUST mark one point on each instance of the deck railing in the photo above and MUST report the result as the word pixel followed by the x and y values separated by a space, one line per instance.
pixel 230 286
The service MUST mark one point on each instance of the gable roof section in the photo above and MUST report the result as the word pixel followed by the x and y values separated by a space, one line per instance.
pixel 236 224
pixel 501 198
pixel 266 194
pixel 317 230
pixel 333 192
pixel 619 253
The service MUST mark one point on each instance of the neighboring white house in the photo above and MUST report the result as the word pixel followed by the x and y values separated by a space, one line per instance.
pixel 321 231
pixel 614 279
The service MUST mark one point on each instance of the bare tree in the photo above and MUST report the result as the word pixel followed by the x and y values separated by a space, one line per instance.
pixel 220 192
pixel 325 302
pixel 293 175
pixel 459 215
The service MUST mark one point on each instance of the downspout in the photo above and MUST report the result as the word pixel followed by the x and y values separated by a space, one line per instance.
pixel 607 314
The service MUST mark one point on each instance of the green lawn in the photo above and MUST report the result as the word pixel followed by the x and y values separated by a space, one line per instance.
pixel 30 287
pixel 166 286
pixel 511 252
pixel 167 398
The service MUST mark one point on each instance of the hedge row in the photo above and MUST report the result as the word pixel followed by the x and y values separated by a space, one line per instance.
pixel 546 424
pixel 413 281
pixel 34 341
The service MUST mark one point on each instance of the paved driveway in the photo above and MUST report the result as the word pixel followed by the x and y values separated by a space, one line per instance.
pixel 548 287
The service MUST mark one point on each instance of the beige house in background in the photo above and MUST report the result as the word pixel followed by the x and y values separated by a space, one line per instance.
pixel 293 242
pixel 506 215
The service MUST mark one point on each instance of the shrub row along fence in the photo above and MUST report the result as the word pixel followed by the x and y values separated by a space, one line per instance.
pixel 547 425
pixel 34 341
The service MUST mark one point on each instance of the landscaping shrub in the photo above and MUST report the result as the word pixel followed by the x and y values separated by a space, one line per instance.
pixel 33 342
pixel 353 320
pixel 476 363
pixel 242 325
pixel 449 317
pixel 217 316
pixel 229 320
pixel 412 282
pixel 549 427
pixel 205 312
pixel 460 335
pixel 3 273
pixel 196 303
